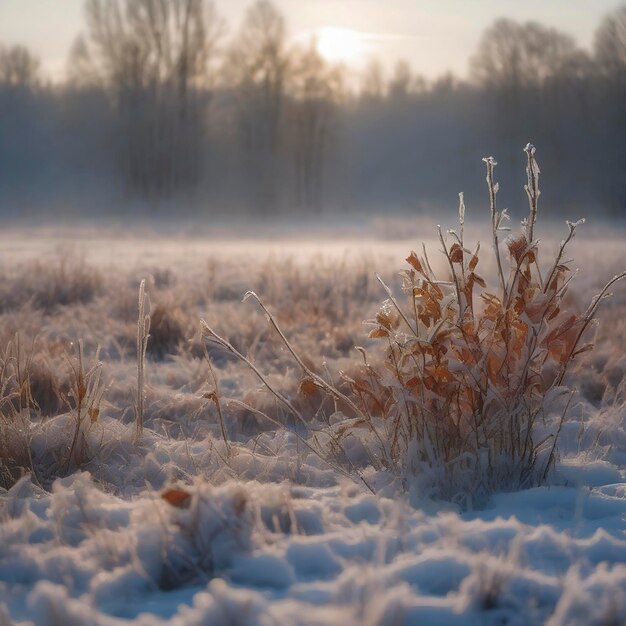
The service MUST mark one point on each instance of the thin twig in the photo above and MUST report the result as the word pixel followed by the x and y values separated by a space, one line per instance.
pixel 532 189
pixel 490 162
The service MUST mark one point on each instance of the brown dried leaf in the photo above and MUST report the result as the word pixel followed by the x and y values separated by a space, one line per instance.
pixel 479 280
pixel 414 262
pixel 383 320
pixel 493 367
pixel 554 313
pixel 443 374
pixel 491 298
pixel 456 253
pixel 585 348
pixel 307 387
pixel 378 333
pixel 517 246
pixel 179 498
pixel 413 382
pixel 437 291
pixel 429 383
pixel 425 319
pixel 562 328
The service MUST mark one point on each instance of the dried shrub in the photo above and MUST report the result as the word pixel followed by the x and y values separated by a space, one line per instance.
pixel 29 390
pixel 15 367
pixel 167 331
pixel 16 404
pixel 65 283
pixel 470 369
pixel 47 389
pixel 86 392
pixel 459 404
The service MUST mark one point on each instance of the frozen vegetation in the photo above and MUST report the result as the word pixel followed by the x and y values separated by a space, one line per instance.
pixel 227 507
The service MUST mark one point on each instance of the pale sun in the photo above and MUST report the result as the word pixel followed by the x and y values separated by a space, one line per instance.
pixel 340 44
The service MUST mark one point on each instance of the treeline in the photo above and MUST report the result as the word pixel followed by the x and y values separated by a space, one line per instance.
pixel 162 108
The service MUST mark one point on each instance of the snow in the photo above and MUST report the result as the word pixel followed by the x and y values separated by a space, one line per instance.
pixel 272 535
pixel 259 553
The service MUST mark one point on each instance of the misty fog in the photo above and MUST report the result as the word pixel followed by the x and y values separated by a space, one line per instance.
pixel 167 113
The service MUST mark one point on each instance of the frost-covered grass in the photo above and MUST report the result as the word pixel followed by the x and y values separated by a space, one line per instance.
pixel 263 528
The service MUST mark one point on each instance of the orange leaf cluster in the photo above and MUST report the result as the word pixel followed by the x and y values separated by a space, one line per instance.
pixel 466 367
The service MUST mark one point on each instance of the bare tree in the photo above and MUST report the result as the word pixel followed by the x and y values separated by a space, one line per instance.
pixel 401 83
pixel 522 67
pixel 610 59
pixel 315 89
pixel 257 67
pixel 18 67
pixel 516 56
pixel 154 57
pixel 373 83
pixel 610 45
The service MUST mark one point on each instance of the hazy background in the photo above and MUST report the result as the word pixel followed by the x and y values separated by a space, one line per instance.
pixel 296 109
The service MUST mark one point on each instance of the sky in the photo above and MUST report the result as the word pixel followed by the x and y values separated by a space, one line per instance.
pixel 435 36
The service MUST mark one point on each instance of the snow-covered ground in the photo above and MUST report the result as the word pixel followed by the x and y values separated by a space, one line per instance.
pixel 181 529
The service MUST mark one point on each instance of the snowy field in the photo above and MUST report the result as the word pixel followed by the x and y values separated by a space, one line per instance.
pixel 189 525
